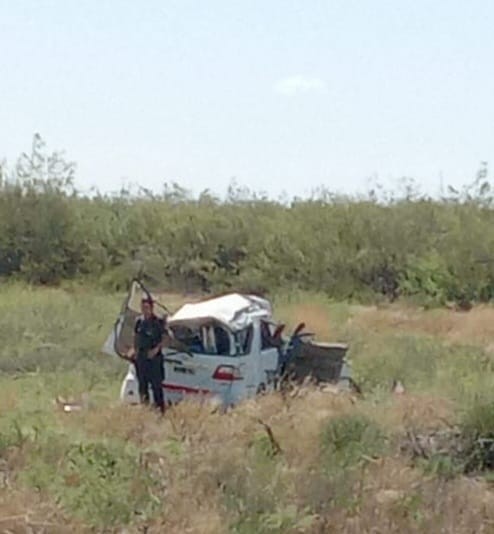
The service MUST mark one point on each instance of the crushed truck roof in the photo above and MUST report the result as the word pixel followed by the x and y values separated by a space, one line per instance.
pixel 235 310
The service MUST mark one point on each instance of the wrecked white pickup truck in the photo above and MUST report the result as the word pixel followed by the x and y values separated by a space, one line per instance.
pixel 226 348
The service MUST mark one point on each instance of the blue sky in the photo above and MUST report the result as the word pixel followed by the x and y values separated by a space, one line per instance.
pixel 277 94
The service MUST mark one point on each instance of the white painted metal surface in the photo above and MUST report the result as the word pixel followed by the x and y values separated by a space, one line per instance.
pixel 234 310
pixel 242 368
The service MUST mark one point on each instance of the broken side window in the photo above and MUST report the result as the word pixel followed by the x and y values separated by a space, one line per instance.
pixel 222 341
pixel 208 339
pixel 243 340
pixel 266 336
pixel 190 337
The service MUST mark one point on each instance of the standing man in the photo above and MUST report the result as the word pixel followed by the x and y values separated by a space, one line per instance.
pixel 148 339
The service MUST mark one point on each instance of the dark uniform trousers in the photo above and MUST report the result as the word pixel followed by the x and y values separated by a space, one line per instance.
pixel 149 332
pixel 150 373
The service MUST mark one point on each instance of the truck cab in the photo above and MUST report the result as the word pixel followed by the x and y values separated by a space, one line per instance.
pixel 218 348
pixel 225 349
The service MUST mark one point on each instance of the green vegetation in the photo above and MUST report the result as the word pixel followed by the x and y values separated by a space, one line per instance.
pixel 110 467
pixel 392 463
pixel 347 248
pixel 346 440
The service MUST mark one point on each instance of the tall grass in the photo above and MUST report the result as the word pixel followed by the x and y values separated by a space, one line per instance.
pixel 111 467
pixel 50 330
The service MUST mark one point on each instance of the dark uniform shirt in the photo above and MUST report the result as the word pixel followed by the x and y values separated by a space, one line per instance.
pixel 148 334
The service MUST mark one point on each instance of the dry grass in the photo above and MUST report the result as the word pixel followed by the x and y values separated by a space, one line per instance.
pixel 397 499
pixel 205 458
pixel 202 456
pixel 203 472
pixel 316 316
pixel 25 511
pixel 215 471
pixel 412 411
pixel 338 322
pixel 475 326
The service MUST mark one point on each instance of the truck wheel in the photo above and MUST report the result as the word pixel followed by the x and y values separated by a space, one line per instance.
pixel 261 389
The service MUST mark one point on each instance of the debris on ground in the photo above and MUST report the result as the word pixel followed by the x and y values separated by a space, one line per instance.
pixel 71 405
pixel 398 388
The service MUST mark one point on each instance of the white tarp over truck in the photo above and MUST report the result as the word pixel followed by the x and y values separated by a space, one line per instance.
pixel 227 347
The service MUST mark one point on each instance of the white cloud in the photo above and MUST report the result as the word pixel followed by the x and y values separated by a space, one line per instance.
pixel 299 84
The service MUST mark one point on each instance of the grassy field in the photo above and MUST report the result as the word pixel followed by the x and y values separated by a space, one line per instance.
pixel 346 464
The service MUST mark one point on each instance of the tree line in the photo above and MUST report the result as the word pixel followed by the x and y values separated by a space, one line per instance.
pixel 373 246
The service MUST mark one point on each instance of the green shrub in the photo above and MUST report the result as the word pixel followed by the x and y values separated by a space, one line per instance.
pixel 100 482
pixel 477 429
pixel 346 247
pixel 428 276
pixel 443 466
pixel 348 440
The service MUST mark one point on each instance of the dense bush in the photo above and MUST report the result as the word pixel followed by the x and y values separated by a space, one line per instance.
pixel 439 249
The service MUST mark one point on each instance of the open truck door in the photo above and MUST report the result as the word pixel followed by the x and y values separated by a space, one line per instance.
pixel 120 339
pixel 321 362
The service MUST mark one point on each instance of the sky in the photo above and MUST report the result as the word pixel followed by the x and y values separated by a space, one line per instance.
pixel 280 96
